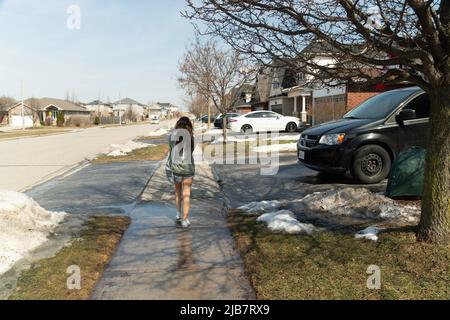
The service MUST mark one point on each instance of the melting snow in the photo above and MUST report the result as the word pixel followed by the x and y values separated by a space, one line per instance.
pixel 233 139
pixel 283 221
pixel 289 147
pixel 24 226
pixel 285 138
pixel 117 150
pixel 159 133
pixel 262 206
pixel 370 233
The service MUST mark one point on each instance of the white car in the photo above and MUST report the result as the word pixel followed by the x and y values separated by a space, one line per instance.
pixel 154 119
pixel 263 121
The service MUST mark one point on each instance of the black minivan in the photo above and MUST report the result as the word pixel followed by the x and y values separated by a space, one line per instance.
pixel 369 138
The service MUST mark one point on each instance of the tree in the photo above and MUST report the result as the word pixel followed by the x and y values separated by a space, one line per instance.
pixel 405 40
pixel 197 104
pixel 213 73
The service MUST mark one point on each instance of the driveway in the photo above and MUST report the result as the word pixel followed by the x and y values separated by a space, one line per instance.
pixel 29 161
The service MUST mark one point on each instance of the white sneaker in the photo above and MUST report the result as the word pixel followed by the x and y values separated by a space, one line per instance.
pixel 185 224
pixel 178 217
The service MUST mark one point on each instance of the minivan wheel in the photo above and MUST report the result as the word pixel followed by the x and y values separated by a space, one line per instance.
pixel 371 164
pixel 247 129
pixel 291 127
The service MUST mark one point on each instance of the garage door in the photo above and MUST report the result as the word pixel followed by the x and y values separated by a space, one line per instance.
pixel 16 121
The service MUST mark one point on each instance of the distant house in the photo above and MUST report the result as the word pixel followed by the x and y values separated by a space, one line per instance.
pixel 18 115
pixel 48 109
pixel 129 109
pixel 168 110
pixel 99 108
pixel 155 110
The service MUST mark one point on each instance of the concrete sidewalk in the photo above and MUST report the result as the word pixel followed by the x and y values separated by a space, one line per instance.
pixel 158 261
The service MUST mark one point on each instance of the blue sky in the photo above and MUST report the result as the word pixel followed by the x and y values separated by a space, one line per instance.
pixel 126 47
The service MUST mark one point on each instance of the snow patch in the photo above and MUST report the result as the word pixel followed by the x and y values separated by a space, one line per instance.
pixel 254 208
pixel 284 222
pixel 285 138
pixel 24 226
pixel 289 147
pixel 117 150
pixel 158 133
pixel 370 233
pixel 233 139
pixel 358 203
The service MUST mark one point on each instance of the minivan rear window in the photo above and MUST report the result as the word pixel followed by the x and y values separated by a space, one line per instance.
pixel 380 106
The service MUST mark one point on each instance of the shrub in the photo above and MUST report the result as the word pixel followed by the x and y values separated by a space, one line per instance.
pixel 97 120
pixel 60 120
pixel 78 121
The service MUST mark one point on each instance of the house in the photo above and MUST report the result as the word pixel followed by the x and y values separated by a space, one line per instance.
pixel 261 89
pixel 18 114
pixel 129 109
pixel 99 108
pixel 48 110
pixel 168 110
pixel 244 97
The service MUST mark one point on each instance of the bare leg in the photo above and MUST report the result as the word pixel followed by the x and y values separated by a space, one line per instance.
pixel 178 187
pixel 186 190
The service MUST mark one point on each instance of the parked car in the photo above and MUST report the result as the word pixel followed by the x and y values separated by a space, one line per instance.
pixel 218 123
pixel 205 118
pixel 154 119
pixel 370 137
pixel 263 121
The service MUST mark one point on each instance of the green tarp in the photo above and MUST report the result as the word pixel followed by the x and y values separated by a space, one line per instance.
pixel 407 174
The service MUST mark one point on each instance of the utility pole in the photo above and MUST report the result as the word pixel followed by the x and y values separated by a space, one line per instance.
pixel 22 105
pixel 120 111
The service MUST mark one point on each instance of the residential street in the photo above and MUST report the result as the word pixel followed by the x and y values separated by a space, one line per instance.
pixel 29 161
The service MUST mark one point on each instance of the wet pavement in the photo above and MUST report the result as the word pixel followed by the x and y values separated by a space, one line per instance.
pixel 156 260
pixel 96 189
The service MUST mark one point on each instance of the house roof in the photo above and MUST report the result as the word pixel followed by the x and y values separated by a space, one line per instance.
pixel 7 104
pixel 98 102
pixel 58 103
pixel 128 101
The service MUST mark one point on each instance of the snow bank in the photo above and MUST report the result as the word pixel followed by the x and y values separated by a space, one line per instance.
pixel 24 226
pixel 289 147
pixel 233 139
pixel 158 133
pixel 285 138
pixel 262 206
pixel 283 221
pixel 117 150
pixel 358 203
pixel 370 233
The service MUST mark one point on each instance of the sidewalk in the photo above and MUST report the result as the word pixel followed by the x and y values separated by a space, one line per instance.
pixel 158 261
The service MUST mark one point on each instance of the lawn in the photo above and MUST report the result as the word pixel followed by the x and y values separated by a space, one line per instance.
pixel 47 279
pixel 32 132
pixel 333 265
pixel 152 153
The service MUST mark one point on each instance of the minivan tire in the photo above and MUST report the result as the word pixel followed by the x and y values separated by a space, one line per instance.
pixel 371 164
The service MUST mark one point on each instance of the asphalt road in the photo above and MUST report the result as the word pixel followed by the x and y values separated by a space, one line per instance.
pixel 30 161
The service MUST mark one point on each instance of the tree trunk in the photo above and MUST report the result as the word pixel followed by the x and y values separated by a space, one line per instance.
pixel 224 128
pixel 435 221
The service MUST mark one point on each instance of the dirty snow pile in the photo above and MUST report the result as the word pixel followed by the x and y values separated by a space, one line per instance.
pixel 24 226
pixel 289 147
pixel 357 203
pixel 284 221
pixel 158 133
pixel 117 150
pixel 285 138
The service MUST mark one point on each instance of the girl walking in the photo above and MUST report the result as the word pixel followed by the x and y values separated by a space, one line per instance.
pixel 180 167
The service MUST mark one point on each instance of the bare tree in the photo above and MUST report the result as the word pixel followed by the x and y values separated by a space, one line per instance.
pixel 213 73
pixel 197 104
pixel 405 40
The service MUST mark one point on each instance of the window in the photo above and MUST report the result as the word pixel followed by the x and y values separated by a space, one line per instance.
pixel 255 115
pixel 421 105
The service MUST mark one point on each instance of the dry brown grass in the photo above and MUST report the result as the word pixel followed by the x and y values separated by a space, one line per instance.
pixel 333 265
pixel 46 280
pixel 153 153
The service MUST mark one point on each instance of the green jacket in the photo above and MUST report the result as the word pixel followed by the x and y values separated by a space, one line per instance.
pixel 180 162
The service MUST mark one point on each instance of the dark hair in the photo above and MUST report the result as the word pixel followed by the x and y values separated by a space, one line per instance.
pixel 186 124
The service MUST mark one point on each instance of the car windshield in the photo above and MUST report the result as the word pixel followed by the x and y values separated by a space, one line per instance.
pixel 380 106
